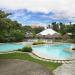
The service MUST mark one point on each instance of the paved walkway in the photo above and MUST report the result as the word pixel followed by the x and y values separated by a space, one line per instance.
pixel 21 67
pixel 65 69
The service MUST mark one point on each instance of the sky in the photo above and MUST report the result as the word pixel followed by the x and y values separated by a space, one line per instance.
pixel 40 11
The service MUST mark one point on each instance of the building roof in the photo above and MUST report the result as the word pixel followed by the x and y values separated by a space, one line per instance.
pixel 48 32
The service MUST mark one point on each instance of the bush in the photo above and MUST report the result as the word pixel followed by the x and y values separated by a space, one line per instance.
pixel 26 49
pixel 73 49
pixel 17 35
pixel 39 42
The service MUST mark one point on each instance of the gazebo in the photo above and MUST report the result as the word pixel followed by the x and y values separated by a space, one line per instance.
pixel 49 33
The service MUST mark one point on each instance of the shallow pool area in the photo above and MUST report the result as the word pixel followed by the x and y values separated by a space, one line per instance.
pixel 54 52
pixel 5 47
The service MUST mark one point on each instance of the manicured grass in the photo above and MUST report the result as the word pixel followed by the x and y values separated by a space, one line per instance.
pixel 25 56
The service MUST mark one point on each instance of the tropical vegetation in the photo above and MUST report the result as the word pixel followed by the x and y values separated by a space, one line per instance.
pixel 73 49
pixel 66 30
pixel 39 42
pixel 12 31
pixel 26 49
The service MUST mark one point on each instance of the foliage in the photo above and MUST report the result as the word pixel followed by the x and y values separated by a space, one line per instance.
pixel 32 31
pixel 38 42
pixel 38 29
pixel 18 35
pixel 3 14
pixel 63 28
pixel 73 49
pixel 27 28
pixel 55 26
pixel 26 49
pixel 10 31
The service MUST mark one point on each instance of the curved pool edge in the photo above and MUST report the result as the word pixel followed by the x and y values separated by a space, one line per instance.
pixel 51 60
pixel 10 47
pixel 70 59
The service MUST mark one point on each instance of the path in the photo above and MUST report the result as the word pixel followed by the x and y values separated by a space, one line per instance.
pixel 65 69
pixel 21 67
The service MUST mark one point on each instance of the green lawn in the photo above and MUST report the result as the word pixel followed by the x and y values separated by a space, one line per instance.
pixel 25 56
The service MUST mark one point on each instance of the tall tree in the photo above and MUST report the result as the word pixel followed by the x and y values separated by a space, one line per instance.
pixel 7 27
pixel 55 26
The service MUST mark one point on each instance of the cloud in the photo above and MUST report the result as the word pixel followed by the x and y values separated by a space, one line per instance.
pixel 28 17
pixel 40 5
pixel 62 9
pixel 34 5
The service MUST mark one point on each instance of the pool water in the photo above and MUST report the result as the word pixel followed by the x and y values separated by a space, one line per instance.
pixel 56 52
pixel 4 47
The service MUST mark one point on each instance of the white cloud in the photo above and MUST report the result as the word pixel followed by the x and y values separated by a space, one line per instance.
pixel 62 8
pixel 34 5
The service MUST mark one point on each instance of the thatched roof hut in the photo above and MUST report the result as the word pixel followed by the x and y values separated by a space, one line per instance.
pixel 49 33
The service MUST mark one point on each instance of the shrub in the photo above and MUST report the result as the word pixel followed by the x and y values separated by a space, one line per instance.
pixel 39 42
pixel 73 49
pixel 17 35
pixel 26 49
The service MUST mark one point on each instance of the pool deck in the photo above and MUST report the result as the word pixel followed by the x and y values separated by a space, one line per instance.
pixel 65 69
pixel 21 67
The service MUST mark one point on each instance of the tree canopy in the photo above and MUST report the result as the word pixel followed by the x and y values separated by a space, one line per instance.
pixel 10 31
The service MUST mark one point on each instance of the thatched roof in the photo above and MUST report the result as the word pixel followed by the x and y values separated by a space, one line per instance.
pixel 49 33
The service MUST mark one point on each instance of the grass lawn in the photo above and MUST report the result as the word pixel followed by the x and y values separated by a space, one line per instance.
pixel 24 56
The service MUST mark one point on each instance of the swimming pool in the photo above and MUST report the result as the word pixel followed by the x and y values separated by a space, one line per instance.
pixel 55 52
pixel 5 47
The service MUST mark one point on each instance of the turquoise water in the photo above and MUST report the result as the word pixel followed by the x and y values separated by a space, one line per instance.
pixel 53 51
pixel 10 47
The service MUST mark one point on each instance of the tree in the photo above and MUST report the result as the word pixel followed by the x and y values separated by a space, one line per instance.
pixel 62 28
pixel 38 29
pixel 3 14
pixel 17 35
pixel 55 26
pixel 9 30
pixel 49 26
